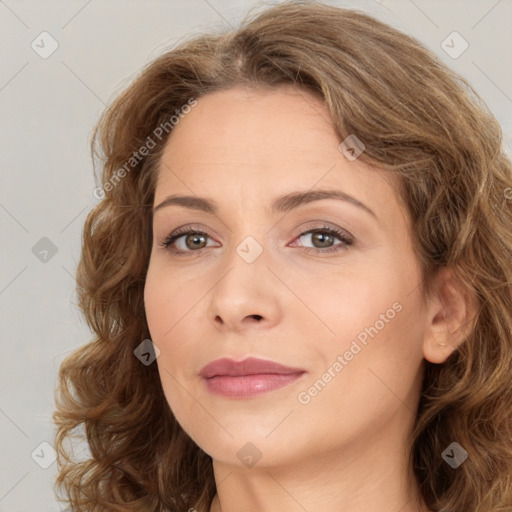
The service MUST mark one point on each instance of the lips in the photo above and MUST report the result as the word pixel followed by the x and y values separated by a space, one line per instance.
pixel 248 378
pixel 250 366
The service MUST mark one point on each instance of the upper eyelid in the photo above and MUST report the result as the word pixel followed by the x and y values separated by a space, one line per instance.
pixel 310 225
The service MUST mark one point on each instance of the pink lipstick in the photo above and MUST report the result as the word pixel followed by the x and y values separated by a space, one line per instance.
pixel 247 378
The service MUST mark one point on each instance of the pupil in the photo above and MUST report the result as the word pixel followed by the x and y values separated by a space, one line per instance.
pixel 320 236
pixel 195 238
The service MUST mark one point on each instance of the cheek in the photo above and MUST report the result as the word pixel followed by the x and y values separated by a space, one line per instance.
pixel 357 301
pixel 166 313
pixel 365 384
pixel 154 301
pixel 171 317
pixel 377 319
pixel 168 303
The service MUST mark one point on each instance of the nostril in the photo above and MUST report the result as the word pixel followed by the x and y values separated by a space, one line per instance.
pixel 257 317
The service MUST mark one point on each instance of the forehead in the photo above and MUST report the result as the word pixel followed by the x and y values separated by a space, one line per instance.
pixel 244 122
pixel 258 143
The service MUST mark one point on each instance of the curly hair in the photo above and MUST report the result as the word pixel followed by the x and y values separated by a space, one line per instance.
pixel 418 119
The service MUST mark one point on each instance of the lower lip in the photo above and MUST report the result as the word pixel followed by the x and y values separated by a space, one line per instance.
pixel 245 386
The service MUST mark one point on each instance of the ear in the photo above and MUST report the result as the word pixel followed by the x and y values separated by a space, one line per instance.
pixel 450 315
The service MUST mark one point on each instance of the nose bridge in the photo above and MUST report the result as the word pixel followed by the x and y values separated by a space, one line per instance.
pixel 249 232
pixel 244 291
pixel 245 266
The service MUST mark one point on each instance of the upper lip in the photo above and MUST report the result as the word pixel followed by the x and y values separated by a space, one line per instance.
pixel 249 366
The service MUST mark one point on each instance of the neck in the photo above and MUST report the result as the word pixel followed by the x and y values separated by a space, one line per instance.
pixel 357 477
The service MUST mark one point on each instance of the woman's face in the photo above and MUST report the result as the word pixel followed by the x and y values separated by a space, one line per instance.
pixel 264 279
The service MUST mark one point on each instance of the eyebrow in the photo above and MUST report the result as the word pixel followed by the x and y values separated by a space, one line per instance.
pixel 282 204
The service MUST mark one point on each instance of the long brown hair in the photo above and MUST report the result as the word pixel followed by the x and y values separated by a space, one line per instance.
pixel 418 119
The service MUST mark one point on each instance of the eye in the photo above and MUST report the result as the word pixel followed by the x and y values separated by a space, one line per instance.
pixel 323 236
pixel 195 240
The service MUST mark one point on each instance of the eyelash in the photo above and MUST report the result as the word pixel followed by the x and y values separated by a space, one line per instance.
pixel 346 241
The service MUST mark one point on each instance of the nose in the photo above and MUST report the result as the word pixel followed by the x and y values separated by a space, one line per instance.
pixel 247 296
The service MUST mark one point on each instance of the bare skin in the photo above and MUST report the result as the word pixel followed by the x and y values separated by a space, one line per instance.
pixel 341 448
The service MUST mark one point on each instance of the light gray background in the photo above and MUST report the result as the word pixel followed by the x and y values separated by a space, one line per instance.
pixel 48 108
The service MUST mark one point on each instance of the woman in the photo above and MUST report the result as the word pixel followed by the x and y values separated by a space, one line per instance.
pixel 299 281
